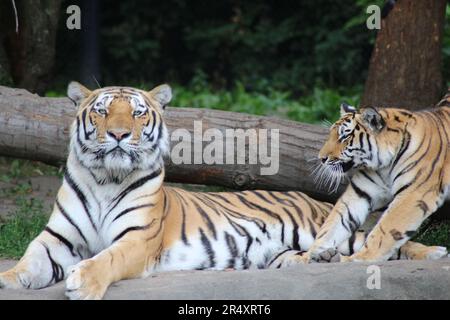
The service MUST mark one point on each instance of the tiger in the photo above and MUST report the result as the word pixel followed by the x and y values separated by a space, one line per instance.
pixel 114 218
pixel 400 165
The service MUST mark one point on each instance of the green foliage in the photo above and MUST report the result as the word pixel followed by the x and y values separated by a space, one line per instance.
pixel 435 234
pixel 17 232
pixel 321 104
pixel 54 94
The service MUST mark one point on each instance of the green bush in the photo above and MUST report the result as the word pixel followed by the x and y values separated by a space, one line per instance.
pixel 320 104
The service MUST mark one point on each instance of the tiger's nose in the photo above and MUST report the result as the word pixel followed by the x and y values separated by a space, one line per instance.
pixel 119 135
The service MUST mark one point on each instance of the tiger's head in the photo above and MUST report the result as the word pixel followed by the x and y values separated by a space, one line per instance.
pixel 368 138
pixel 119 129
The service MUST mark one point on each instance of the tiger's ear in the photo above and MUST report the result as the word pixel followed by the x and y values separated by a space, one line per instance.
pixel 77 92
pixel 346 108
pixel 161 94
pixel 373 119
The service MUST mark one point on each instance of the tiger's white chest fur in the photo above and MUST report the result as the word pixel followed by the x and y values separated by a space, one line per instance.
pixel 95 212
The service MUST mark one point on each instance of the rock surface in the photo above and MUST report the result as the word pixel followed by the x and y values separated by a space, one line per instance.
pixel 398 279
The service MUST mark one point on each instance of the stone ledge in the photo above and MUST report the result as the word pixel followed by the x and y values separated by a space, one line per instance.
pixel 399 280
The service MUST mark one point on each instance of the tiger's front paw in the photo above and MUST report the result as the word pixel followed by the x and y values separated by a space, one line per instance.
pixel 346 259
pixel 287 259
pixel 19 280
pixel 9 280
pixel 435 253
pixel 357 257
pixel 325 256
pixel 84 282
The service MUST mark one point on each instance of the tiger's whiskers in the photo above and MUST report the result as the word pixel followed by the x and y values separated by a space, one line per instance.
pixel 330 175
pixel 326 123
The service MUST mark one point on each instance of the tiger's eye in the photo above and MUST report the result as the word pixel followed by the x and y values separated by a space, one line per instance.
pixel 138 113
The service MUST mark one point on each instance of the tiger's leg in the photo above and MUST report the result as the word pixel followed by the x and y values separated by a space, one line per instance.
pixel 409 251
pixel 128 257
pixel 416 251
pixel 396 226
pixel 44 263
pixel 292 257
pixel 347 215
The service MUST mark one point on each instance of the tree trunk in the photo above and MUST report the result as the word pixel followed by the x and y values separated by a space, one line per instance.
pixel 90 69
pixel 5 77
pixel 37 128
pixel 31 51
pixel 7 26
pixel 405 67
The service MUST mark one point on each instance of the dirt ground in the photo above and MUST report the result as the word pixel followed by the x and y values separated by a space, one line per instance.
pixel 43 188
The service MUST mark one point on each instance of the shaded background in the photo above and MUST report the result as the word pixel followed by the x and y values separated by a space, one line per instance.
pixel 278 58
pixel 285 45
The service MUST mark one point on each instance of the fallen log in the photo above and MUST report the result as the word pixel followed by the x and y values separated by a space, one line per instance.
pixel 37 128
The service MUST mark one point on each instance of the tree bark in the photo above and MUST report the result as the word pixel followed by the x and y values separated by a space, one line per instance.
pixel 405 67
pixel 37 128
pixel 31 51
pixel 6 27
pixel 90 69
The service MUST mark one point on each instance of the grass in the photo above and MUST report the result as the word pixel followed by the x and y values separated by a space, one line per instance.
pixel 26 223
pixel 436 233
pixel 28 218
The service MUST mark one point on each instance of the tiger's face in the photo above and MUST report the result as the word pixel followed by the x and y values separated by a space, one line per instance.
pixel 359 139
pixel 119 129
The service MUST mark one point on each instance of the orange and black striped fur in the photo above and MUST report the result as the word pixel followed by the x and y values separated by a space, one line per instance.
pixel 113 219
pixel 401 165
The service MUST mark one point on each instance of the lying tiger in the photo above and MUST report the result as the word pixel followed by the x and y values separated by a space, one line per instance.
pixel 113 219
pixel 401 164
